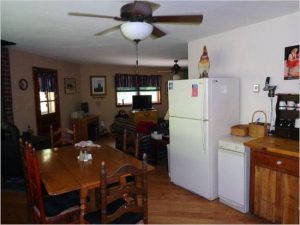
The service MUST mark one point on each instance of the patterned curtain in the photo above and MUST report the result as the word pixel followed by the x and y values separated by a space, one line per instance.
pixel 47 82
pixel 126 81
pixel 134 82
pixel 150 81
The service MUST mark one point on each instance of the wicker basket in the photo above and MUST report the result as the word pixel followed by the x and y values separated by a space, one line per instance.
pixel 257 130
pixel 240 130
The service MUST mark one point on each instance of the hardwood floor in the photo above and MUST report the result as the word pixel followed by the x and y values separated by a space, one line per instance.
pixel 167 204
pixel 13 207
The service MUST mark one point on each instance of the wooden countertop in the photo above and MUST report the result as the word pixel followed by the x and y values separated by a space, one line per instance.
pixel 282 146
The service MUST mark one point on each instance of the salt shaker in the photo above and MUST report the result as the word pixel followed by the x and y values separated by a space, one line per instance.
pixel 81 156
pixel 85 156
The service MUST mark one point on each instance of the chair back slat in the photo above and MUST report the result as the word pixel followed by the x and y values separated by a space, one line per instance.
pixel 124 209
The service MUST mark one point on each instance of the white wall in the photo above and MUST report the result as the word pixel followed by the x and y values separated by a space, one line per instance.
pixel 250 53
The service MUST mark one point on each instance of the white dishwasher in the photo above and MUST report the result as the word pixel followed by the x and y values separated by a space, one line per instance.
pixel 234 172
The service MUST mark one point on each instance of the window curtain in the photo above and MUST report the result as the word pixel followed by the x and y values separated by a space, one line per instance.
pixel 47 82
pixel 130 82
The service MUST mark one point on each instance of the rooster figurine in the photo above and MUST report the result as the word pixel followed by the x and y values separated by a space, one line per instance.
pixel 203 65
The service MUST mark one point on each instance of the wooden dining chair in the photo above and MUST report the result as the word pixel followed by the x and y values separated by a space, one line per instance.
pixel 62 136
pixel 62 208
pixel 125 203
pixel 131 143
pixel 24 148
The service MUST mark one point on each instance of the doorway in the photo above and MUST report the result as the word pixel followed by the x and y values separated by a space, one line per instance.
pixel 46 100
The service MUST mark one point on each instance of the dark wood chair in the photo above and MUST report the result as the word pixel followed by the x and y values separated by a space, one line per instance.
pixel 63 208
pixel 131 143
pixel 131 147
pixel 62 136
pixel 22 147
pixel 122 203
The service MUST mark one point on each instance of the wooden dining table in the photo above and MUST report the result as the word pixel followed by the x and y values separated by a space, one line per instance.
pixel 61 171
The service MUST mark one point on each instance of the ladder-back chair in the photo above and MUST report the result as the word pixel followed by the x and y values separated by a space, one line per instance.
pixel 122 203
pixel 131 143
pixel 62 208
pixel 62 136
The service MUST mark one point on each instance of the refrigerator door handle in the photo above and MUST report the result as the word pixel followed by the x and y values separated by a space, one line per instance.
pixel 204 119
pixel 203 103
pixel 203 138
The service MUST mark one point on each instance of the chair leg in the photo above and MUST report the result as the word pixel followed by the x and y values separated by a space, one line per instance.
pixel 29 209
pixel 35 218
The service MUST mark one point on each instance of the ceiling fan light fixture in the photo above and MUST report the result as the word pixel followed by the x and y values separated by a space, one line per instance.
pixel 136 31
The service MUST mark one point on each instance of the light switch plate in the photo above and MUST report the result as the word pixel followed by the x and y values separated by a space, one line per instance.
pixel 255 88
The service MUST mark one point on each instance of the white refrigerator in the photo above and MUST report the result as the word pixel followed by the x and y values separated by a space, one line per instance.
pixel 201 112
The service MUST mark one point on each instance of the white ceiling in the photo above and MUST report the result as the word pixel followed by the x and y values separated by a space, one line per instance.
pixel 44 28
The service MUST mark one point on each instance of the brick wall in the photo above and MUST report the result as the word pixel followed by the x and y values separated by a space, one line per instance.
pixel 6 91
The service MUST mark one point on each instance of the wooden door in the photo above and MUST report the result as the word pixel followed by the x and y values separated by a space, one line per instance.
pixel 265 193
pixel 46 99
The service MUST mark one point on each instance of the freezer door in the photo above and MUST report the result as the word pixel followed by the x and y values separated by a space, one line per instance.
pixel 189 158
pixel 224 105
pixel 187 98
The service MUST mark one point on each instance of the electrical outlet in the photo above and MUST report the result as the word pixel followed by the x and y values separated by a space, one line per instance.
pixel 255 88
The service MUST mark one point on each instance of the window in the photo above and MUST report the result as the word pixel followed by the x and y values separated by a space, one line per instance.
pixel 125 98
pixel 129 85
pixel 47 88
pixel 47 102
pixel 151 91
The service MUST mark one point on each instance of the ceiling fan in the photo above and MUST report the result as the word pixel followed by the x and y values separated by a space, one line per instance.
pixel 141 11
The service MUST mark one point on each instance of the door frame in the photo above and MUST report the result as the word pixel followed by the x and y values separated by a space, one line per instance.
pixel 38 116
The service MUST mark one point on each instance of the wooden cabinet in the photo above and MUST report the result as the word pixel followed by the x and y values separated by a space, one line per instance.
pixel 274 183
pixel 86 128
pixel 148 116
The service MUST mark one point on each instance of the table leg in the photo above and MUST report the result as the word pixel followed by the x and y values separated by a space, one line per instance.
pixel 83 196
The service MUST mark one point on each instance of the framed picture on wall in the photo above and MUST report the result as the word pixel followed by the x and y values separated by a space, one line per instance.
pixel 98 85
pixel 291 62
pixel 70 86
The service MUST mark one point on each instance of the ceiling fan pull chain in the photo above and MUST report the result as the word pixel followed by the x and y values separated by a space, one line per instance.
pixel 136 55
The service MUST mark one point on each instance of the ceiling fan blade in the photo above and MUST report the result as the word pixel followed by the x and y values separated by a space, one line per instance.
pixel 157 33
pixel 196 19
pixel 7 43
pixel 92 15
pixel 108 30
